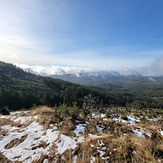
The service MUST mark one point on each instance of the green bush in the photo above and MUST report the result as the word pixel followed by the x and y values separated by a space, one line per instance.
pixel 72 111
pixel 108 113
pixel 124 116
pixel 152 115
pixel 143 119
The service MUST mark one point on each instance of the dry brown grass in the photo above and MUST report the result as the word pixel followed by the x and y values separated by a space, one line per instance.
pixel 159 151
pixel 42 110
pixel 143 150
pixel 111 145
pixel 46 116
pixel 67 127
pixel 3 159
pixel 6 121
pixel 116 150
pixel 41 144
pixel 15 142
pixel 40 159
pixel 52 154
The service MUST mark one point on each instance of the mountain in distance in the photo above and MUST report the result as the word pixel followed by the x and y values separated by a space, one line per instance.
pixel 23 89
pixel 97 78
pixel 20 89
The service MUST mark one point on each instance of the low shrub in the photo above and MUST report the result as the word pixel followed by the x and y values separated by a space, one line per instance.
pixel 5 111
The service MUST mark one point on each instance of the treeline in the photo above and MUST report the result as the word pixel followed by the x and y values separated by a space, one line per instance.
pixel 68 94
pixel 18 100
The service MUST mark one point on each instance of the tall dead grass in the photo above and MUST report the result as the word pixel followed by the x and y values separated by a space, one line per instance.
pixel 42 110
pixel 115 150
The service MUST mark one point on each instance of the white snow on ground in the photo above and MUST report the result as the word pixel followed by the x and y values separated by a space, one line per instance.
pixel 92 159
pixel 80 128
pixel 99 129
pixel 65 143
pixel 74 159
pixel 161 132
pixel 138 133
pixel 131 120
pixel 34 135
pixel 22 120
pixel 24 151
pixel 97 115
pixel 80 139
pixel 103 115
pixel 94 136
pixel 36 141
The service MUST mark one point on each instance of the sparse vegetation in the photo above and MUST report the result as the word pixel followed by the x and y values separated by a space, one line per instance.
pixel 105 138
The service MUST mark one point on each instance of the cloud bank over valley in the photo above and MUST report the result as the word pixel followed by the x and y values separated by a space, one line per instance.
pixel 155 69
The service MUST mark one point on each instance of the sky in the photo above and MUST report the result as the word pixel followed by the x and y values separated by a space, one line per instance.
pixel 107 34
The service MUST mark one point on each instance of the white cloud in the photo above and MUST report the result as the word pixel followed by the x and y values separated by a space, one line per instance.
pixel 155 69
pixel 90 59
pixel 157 66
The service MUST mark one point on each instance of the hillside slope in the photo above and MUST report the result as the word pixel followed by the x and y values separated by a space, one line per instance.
pixel 45 136
pixel 22 89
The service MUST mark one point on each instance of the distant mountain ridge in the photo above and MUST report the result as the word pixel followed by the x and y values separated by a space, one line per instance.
pixel 20 89
pixel 90 77
pixel 23 89
pixel 78 71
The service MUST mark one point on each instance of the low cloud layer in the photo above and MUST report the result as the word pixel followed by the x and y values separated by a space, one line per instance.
pixel 155 69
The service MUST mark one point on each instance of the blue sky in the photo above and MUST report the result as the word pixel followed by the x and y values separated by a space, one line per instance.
pixel 106 34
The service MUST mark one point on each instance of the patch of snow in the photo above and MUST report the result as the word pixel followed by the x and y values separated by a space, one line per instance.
pixel 94 136
pixel 92 145
pixel 22 120
pixel 99 129
pixel 35 135
pixel 36 117
pixel 92 159
pixel 80 128
pixel 45 161
pixel 95 115
pixel 15 112
pixel 74 159
pixel 103 115
pixel 5 117
pixel 102 153
pixel 77 121
pixel 65 143
pixel 51 136
pixel 134 152
pixel 100 143
pixel 138 133
pixel 131 120
pixel 81 139
pixel 148 134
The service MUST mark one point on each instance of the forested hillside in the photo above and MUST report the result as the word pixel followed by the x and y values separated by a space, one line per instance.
pixel 19 89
